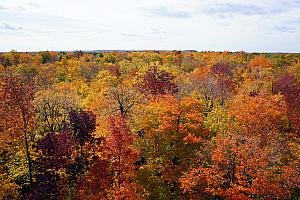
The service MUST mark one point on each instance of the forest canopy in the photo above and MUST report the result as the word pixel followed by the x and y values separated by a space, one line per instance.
pixel 149 125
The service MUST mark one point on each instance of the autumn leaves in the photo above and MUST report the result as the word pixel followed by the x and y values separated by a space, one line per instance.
pixel 149 125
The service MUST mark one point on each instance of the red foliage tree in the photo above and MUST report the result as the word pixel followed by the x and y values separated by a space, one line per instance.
pixel 97 182
pixel 16 111
pixel 83 124
pixel 122 156
pixel 221 72
pixel 158 82
pixel 290 88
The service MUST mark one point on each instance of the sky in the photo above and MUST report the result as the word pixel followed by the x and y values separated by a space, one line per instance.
pixel 202 25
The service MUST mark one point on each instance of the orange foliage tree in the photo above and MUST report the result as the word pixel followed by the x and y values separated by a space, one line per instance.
pixel 170 131
pixel 251 161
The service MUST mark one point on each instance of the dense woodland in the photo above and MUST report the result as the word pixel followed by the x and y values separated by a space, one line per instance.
pixel 149 125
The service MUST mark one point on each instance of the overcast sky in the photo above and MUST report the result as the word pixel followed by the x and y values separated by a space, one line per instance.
pixel 216 25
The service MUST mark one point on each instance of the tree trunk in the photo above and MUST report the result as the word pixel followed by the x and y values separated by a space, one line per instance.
pixel 233 168
pixel 28 159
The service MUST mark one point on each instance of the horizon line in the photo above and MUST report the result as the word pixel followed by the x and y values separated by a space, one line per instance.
pixel 152 50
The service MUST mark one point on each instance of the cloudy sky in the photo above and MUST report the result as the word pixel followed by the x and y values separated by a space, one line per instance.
pixel 216 25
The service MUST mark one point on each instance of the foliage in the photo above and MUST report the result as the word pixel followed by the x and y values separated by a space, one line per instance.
pixel 158 82
pixel 149 125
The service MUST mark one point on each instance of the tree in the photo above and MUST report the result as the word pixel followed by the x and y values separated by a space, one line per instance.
pixel 252 150
pixel 290 88
pixel 56 151
pixel 98 181
pixel 157 82
pixel 202 85
pixel 221 73
pixel 122 99
pixel 170 133
pixel 17 112
pixel 46 56
pixel 83 124
pixel 260 62
pixel 122 157
pixel 52 107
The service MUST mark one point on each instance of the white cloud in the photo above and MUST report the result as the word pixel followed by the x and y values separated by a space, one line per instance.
pixel 11 27
pixel 257 25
